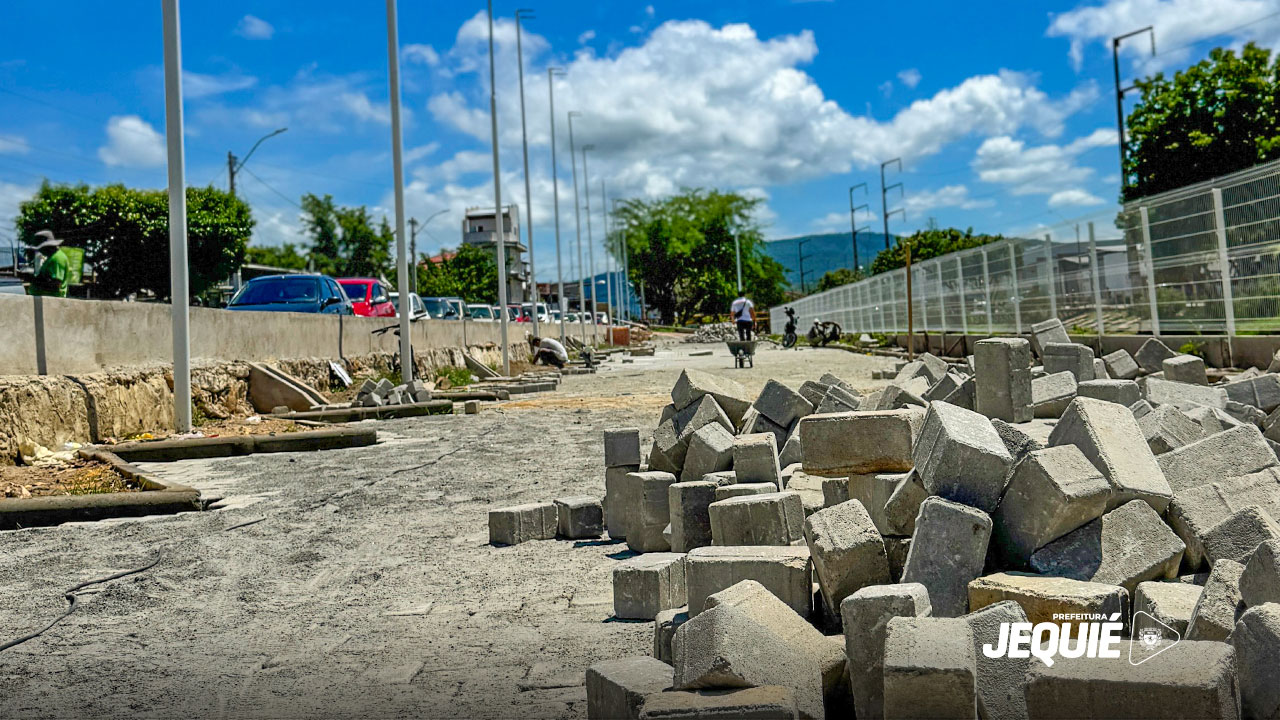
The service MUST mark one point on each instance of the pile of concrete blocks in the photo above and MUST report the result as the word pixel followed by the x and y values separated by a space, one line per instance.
pixel 382 392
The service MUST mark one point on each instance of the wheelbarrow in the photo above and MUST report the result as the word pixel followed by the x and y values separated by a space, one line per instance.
pixel 743 351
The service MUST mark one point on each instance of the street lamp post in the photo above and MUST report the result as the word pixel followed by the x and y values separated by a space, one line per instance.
pixel 528 193
pixel 853 220
pixel 413 246
pixel 500 234
pixel 178 280
pixel 234 167
pixel 591 241
pixel 577 219
pixel 555 194
pixel 397 164
pixel 610 308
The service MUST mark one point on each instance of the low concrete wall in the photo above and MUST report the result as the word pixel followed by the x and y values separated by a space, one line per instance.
pixel 82 336
pixel 1241 351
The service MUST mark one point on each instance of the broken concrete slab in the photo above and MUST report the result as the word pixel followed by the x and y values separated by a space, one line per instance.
pixel 1048 331
pixel 621 447
pixel 1256 638
pixel 947 551
pixel 1003 379
pixel 617 688
pixel 1185 369
pixel 652 513
pixel 664 628
pixel 929 668
pixel 730 395
pixel 866 615
pixel 1050 394
pixel 1123 392
pixel 1214 615
pixel 1069 357
pixel 1194 511
pixel 1170 603
pixel 522 523
pixel 1238 451
pixel 884 442
pixel 999 679
pixel 959 456
pixel 621 499
pixel 766 519
pixel 710 450
pixel 847 551
pixel 755 459
pixel 784 571
pixel 1152 354
pixel 1109 436
pixel 1167 428
pixel 1238 534
pixel 645 585
pixel 1121 365
pixel 688 504
pixel 1260 579
pixel 579 517
pixel 770 702
pixel 781 404
pixel 1050 493
pixel 1045 598
pixel 1128 545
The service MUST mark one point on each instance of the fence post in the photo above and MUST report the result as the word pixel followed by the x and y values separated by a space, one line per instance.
pixel 1151 272
pixel 894 305
pixel 1097 284
pixel 964 314
pixel 1017 300
pixel 1228 302
pixel 1053 285
pixel 942 303
pixel 986 288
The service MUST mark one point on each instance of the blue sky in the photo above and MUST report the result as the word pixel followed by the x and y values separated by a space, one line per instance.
pixel 1003 114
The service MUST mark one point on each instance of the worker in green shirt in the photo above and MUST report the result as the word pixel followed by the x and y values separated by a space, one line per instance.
pixel 51 279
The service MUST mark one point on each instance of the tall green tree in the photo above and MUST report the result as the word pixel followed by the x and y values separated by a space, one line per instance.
pixel 683 249
pixel 836 278
pixel 286 256
pixel 929 243
pixel 471 274
pixel 125 234
pixel 1215 117
pixel 344 241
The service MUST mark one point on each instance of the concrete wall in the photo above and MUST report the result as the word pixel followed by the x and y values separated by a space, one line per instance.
pixel 88 336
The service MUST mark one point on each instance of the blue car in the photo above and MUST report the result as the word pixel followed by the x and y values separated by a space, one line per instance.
pixel 293 293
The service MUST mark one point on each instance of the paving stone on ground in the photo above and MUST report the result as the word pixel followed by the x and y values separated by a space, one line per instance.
pixel 1167 428
pixel 1126 546
pixel 1151 356
pixel 903 506
pixel 522 523
pixel 1194 511
pixel 652 513
pixel 960 456
pixel 1003 388
pixel 621 447
pixel 929 668
pixel 710 450
pixel 579 517
pixel 1186 369
pixel 948 550
pixel 755 459
pixel 1042 597
pixel 784 571
pixel 1185 396
pixel 1170 603
pixel 617 688
pixel 1123 392
pixel 1050 493
pixel 771 702
pixel 1048 331
pixel 724 492
pixel 730 395
pixel 781 405
pixel 1256 638
pixel 999 679
pixel 1239 534
pixel 1260 579
pixel 1109 436
pixel 645 585
pixel 767 519
pixel 690 518
pixel 1016 441
pixel 1232 453
pixel 884 442
pixel 621 499
pixel 1214 615
pixel 1068 357
pixel 866 615
pixel 847 551
pixel 1121 365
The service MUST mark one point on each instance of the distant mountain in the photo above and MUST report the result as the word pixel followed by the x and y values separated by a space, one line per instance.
pixel 825 252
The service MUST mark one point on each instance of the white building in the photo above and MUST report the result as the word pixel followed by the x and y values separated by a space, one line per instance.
pixel 479 229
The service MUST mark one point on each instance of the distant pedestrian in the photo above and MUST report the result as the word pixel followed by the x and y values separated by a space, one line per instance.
pixel 548 351
pixel 51 279
pixel 744 316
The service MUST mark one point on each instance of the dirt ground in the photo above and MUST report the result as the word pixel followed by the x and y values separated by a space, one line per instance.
pixel 79 477
pixel 368 588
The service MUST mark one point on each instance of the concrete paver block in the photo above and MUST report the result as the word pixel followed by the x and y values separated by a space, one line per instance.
pixel 1003 379
pixel 1050 493
pixel 866 614
pixel 959 456
pixel 690 518
pixel 755 459
pixel 668 451
pixel 1260 579
pixel 903 505
pixel 1185 396
pixel 781 404
pixel 579 517
pixel 783 571
pixel 652 513
pixel 1109 436
pixel 1214 615
pixel 1042 597
pixel 964 396
pixel 813 391
pixel 1126 546
pixel 1212 420
pixel 694 384
pixel 1170 603
pixel 1238 534
pixel 1046 332
pixel 1068 357
pixel 1185 369
pixel 944 387
pixel 724 492
pixel 1194 511
pixel 767 519
pixel 770 702
pixel 1100 369
pixel 705 411
pixel 1017 442
pixel 1238 451
pixel 792 452
pixel 847 551
pixel 999 679
pixel 1050 394
pixel 616 689
pixel 1167 428
pixel 929 669
pixel 710 450
pixel 645 585
pixel 621 447
pixel 1123 392
pixel 665 624
pixel 859 442
pixel 947 551
pixel 522 523
pixel 838 399
pixel 621 499
pixel 1256 638
pixel 721 477
pixel 1262 392
pixel 874 492
pixel 1121 365
pixel 1151 356
pixel 1189 679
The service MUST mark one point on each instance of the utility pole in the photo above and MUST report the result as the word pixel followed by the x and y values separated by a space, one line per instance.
pixel 555 194
pixel 591 241
pixel 500 233
pixel 528 194
pixel 577 219
pixel 884 197
pixel 802 256
pixel 176 160
pixel 853 220
pixel 911 318
pixel 626 265
pixel 233 167
pixel 397 164
pixel 611 308
pixel 413 256
pixel 1120 91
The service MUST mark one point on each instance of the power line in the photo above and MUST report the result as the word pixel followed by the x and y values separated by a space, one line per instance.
pixel 266 185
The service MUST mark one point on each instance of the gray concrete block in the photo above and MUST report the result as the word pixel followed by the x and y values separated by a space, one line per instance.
pixel 579 517
pixel 1186 396
pixel 1238 451
pixel 1121 365
pixel 874 491
pixel 694 384
pixel 838 399
pixel 522 523
pixel 1170 603
pixel 959 456
pixel 832 380
pixel 1047 331
pixel 1043 598
pixel 1194 511
pixel 665 624
pixel 1050 493
pixel 964 396
pixel 1123 392
pixel 847 551
pixel 710 450
pixel 652 513
pixel 894 396
pixel 903 505
pixel 1109 436
pixel 1167 428
pixel 1262 392
pixel 383 388
pixel 1126 546
pixel 725 646
pixel 813 391
pixel 1260 579
pixel 1151 356
pixel 1140 408
pixel 929 669
pixel 721 477
pixel 934 367
pixel 1214 615
pixel 771 702
pixel 783 571
pixel 1256 638
pixel 781 404
pixel 1246 414
pixel 645 585
pixel 1190 679
pixel 1238 534
pixel 859 442
pixel 621 499
pixel 1100 369
pixel 792 452
pixel 1068 357
pixel 755 459
pixel 724 492
pixel 1050 394
pixel 767 519
pixel 897 547
pixel 1017 442
pixel 834 491
pixel 1185 369
pixel 944 387
pixel 669 450
pixel 690 519
pixel 705 411
pixel 947 551
pixel 1003 388
pixel 999 679
pixel 616 689
pixel 621 447
pixel 866 615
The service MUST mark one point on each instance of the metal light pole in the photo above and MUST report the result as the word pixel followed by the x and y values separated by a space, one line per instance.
pixel 397 164
pixel 853 220
pixel 1120 91
pixel 233 167
pixel 555 194
pixel 884 197
pixel 179 289
pixel 500 234
pixel 611 309
pixel 577 219
pixel 413 255
pixel 626 269
pixel 737 256
pixel 528 193
pixel 591 241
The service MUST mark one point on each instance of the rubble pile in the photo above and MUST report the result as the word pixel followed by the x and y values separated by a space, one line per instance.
pixel 714 333
pixel 382 392
pixel 821 552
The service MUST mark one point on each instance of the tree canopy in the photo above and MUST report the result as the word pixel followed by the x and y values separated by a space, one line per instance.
pixel 836 278
pixel 471 274
pixel 1215 117
pixel 929 243
pixel 344 242
pixel 682 249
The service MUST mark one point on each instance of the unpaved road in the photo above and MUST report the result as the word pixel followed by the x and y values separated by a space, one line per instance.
pixel 369 589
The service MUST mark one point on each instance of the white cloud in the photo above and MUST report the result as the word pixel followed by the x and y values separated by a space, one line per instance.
pixel 648 10
pixel 132 142
pixel 13 145
pixel 885 88
pixel 325 104
pixel 831 222
pixel 1039 170
pixel 586 37
pixel 956 196
pixel 417 153
pixel 11 194
pixel 421 54
pixel 1177 23
pixel 197 85
pixel 1074 197
pixel 909 77
pixel 255 28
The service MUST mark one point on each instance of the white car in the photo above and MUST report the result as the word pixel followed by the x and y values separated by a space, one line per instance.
pixel 481 313
pixel 418 312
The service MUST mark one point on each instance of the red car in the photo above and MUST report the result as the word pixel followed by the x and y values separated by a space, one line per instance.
pixel 368 297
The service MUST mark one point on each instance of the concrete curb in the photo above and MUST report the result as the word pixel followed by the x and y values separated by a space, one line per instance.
pixel 230 446
pixel 356 414
pixel 158 498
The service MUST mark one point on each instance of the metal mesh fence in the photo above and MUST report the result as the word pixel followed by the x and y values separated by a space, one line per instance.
pixel 1156 266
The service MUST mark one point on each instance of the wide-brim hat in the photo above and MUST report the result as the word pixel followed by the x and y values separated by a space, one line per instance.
pixel 49 241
